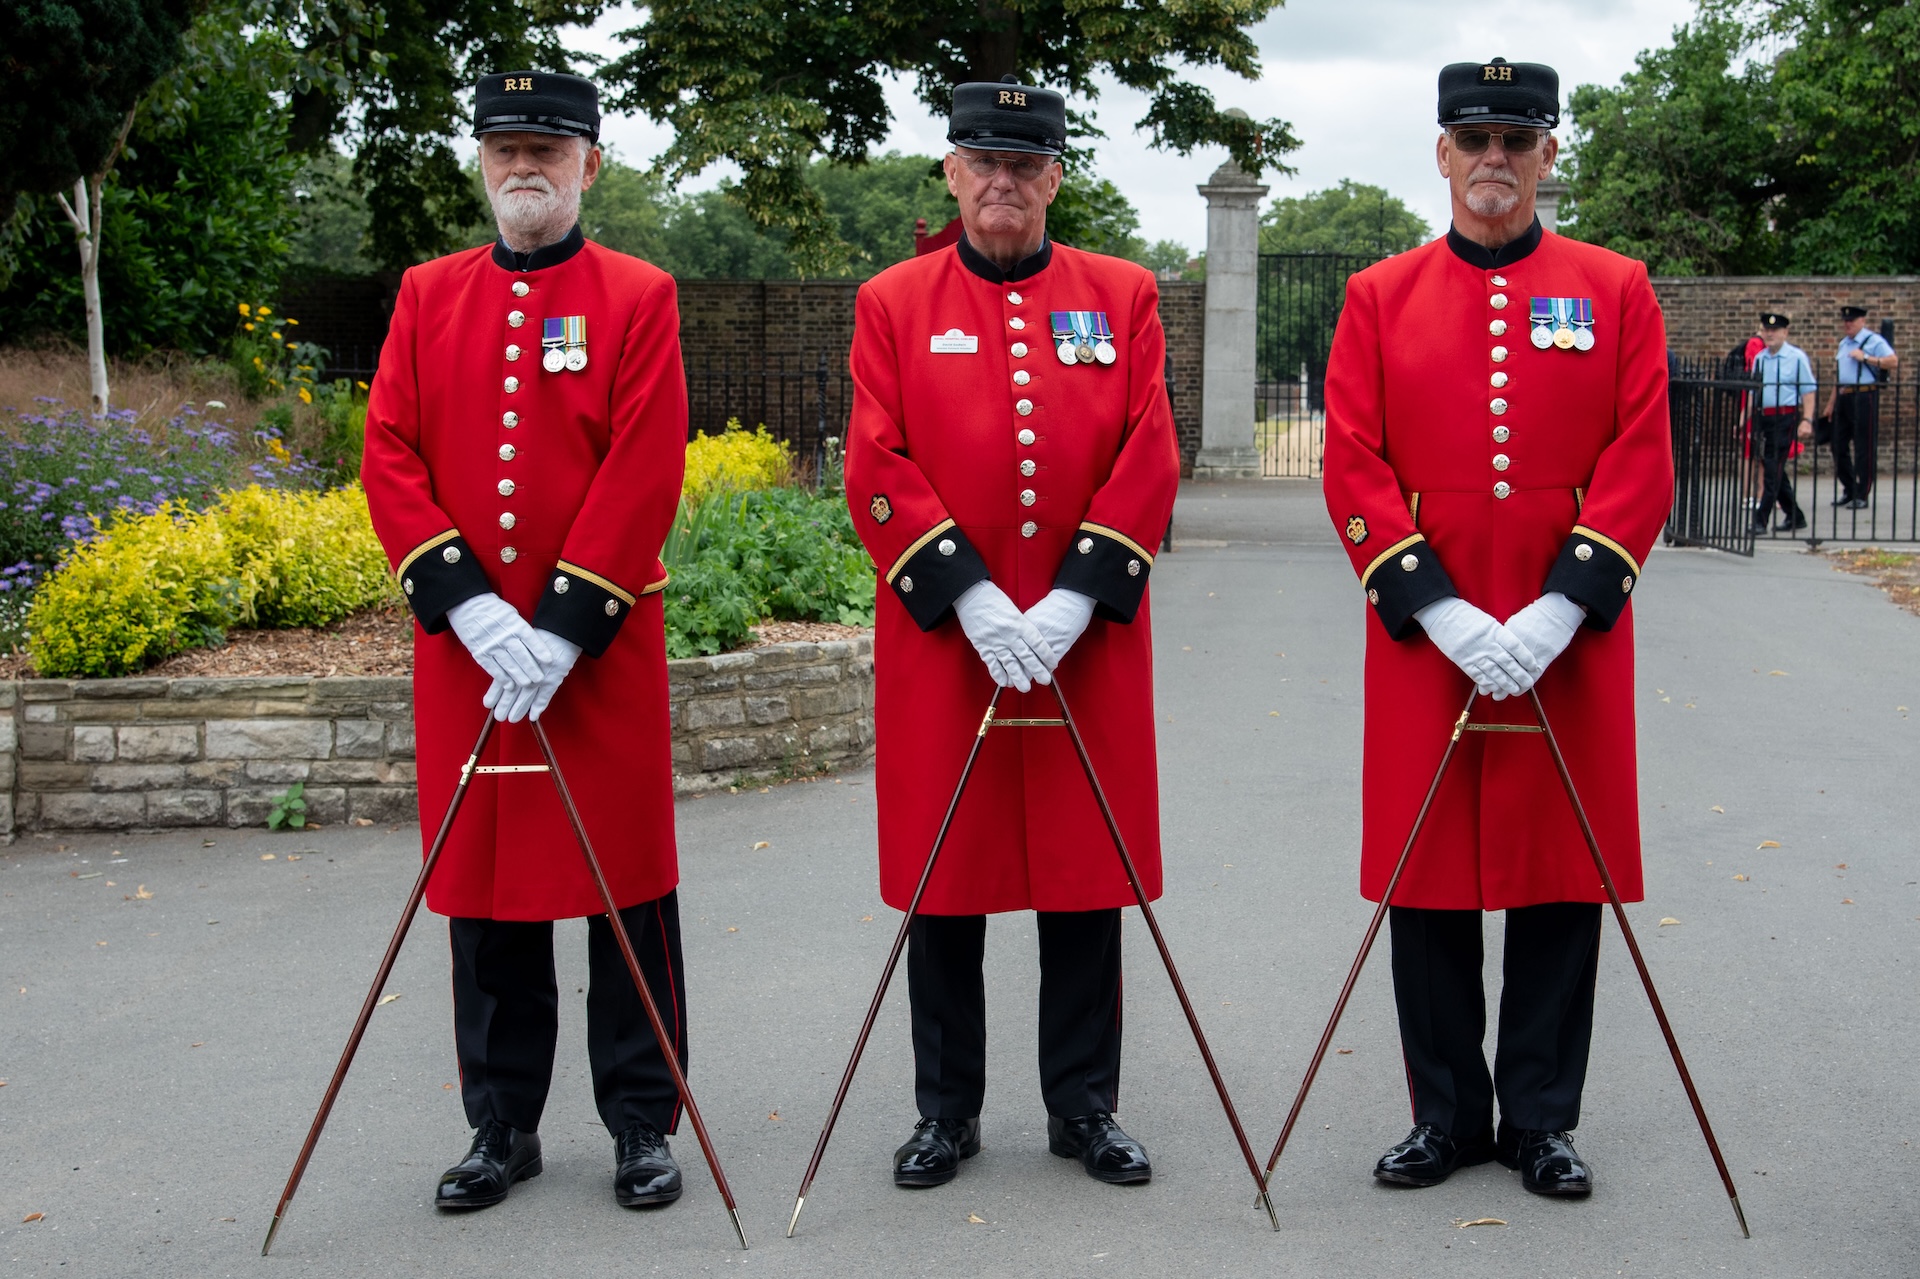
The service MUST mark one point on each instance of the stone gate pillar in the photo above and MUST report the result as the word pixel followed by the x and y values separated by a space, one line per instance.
pixel 1227 451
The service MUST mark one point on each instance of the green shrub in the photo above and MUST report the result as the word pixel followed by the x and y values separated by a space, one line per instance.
pixel 783 553
pixel 303 558
pixel 338 426
pixel 145 588
pixel 737 460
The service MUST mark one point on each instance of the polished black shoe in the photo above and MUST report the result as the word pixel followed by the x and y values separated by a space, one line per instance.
pixel 1428 1157
pixel 1857 504
pixel 1106 1153
pixel 645 1173
pixel 499 1157
pixel 1547 1162
pixel 1794 525
pixel 932 1155
pixel 1759 527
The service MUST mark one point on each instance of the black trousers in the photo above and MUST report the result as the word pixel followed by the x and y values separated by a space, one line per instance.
pixel 1079 1012
pixel 1772 440
pixel 506 1017
pixel 1856 430
pixel 1546 1016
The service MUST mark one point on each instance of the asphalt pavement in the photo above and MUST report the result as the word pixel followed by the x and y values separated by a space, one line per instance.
pixel 173 1003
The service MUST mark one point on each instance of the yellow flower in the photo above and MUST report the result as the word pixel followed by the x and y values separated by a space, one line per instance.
pixel 361 385
pixel 291 321
pixel 246 310
pixel 257 364
pixel 264 312
pixel 290 346
pixel 306 396
pixel 279 451
pixel 248 327
pixel 278 336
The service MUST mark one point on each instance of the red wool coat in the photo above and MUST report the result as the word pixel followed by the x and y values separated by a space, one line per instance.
pixel 1462 459
pixel 973 453
pixel 485 472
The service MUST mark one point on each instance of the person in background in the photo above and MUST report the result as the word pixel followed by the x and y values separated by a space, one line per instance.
pixel 1865 360
pixel 1787 389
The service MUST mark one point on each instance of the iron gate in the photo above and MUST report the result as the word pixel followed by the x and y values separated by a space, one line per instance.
pixel 1297 304
pixel 1708 407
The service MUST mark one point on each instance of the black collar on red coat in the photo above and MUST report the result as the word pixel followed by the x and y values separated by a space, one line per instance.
pixel 984 267
pixel 1486 259
pixel 541 258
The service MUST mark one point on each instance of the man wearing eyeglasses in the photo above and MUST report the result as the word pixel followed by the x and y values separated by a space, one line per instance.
pixel 1497 463
pixel 1011 467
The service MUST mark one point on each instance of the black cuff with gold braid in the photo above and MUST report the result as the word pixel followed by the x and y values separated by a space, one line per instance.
pixel 1595 571
pixel 583 607
pixel 439 574
pixel 1110 567
pixel 1402 580
pixel 934 572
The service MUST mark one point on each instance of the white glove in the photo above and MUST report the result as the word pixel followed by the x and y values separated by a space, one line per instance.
pixel 1016 654
pixel 1547 625
pixel 1493 657
pixel 1061 618
pixel 516 702
pixel 502 643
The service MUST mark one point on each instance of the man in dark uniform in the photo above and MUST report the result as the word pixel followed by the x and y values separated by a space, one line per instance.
pixel 1497 448
pixel 1864 361
pixel 1010 462
pixel 526 436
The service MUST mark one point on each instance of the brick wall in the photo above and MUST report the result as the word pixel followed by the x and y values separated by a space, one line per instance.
pixel 1706 315
pixel 118 753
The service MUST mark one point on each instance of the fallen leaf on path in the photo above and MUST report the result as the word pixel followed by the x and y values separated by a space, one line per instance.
pixel 866 919
pixel 1344 1052
pixel 774 1115
pixel 1776 672
pixel 1767 843
pixel 973 1219
pixel 733 930
pixel 446 1087
pixel 229 1219
pixel 762 844
pixel 387 999
pixel 92 874
pixel 206 843
pixel 1480 1221
pixel 1717 809
pixel 111 884
pixel 32 1216
pixel 1668 920
pixel 1740 879
pixel 201 1044
pixel 1839 865
pixel 1846 901
pixel 3 1083
pixel 266 857
pixel 1273 714
pixel 293 857
pixel 99 943
pixel 363 821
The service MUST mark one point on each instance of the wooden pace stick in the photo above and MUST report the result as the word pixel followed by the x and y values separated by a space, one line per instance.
pixel 893 962
pixel 1366 945
pixel 379 984
pixel 1166 956
pixel 1639 961
pixel 639 981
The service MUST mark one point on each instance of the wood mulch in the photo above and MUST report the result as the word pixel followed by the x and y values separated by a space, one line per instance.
pixel 1896 572
pixel 374 642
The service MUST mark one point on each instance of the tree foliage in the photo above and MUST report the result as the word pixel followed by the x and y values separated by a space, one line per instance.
pixel 769 87
pixel 70 73
pixel 1768 138
pixel 1350 218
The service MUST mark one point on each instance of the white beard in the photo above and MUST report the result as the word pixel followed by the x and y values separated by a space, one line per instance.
pixel 532 212
pixel 1492 198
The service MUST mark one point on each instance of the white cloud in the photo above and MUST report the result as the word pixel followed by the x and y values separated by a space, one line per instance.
pixel 1355 78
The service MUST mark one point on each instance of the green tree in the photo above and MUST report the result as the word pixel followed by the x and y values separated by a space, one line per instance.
pixel 1351 218
pixel 1685 163
pixel 330 223
pixel 76 72
pixel 771 86
pixel 195 217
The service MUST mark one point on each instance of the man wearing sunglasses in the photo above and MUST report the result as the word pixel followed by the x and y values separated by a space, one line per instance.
pixel 1497 463
pixel 1011 467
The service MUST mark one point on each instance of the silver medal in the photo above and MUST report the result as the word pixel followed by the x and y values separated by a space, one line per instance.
pixel 1583 339
pixel 576 358
pixel 1543 336
pixel 1104 352
pixel 1065 352
pixel 554 360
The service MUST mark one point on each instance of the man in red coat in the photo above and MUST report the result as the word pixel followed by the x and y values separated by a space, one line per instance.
pixel 1010 463
pixel 526 436
pixel 1498 464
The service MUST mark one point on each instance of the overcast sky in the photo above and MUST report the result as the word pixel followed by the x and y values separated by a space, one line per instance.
pixel 1355 78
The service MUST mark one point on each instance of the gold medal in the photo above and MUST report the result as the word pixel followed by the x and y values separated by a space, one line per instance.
pixel 1563 338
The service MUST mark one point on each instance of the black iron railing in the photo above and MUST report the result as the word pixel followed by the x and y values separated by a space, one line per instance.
pixel 1297 304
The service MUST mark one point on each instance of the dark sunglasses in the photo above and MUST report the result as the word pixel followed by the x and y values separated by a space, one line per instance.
pixel 1023 169
pixel 1513 141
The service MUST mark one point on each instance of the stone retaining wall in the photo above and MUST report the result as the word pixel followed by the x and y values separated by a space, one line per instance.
pixel 120 753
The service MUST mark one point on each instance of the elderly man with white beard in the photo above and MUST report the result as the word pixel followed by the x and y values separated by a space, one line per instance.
pixel 526 436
